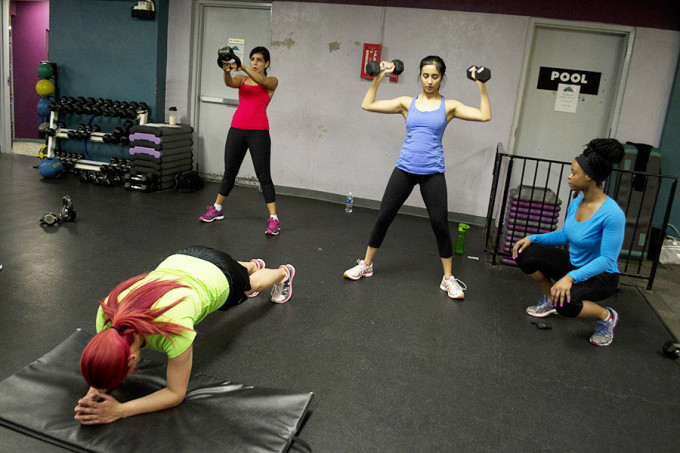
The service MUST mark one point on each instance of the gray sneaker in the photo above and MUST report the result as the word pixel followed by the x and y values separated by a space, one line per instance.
pixel 543 308
pixel 282 291
pixel 604 330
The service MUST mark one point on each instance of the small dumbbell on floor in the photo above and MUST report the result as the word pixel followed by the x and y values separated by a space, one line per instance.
pixel 671 350
pixel 479 73
pixel 373 68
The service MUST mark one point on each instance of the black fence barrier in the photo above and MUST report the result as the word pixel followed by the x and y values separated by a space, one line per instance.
pixel 530 195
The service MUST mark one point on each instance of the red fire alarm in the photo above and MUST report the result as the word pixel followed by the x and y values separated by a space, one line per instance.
pixel 371 53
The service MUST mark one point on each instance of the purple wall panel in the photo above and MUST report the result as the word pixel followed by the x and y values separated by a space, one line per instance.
pixel 29 47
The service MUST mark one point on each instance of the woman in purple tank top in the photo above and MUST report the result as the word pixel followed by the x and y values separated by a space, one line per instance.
pixel 421 161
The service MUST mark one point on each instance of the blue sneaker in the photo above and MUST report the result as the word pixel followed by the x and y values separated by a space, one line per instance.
pixel 543 308
pixel 604 330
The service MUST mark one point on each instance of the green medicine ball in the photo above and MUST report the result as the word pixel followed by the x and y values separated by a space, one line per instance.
pixel 45 70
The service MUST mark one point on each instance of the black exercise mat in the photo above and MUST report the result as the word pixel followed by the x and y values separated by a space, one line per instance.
pixel 161 146
pixel 158 154
pixel 535 195
pixel 165 139
pixel 159 166
pixel 216 415
pixel 164 172
pixel 161 130
pixel 136 158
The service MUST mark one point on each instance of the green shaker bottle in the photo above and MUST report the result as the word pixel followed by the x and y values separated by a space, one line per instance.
pixel 460 240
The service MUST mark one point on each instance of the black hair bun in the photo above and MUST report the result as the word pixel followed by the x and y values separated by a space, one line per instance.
pixel 609 149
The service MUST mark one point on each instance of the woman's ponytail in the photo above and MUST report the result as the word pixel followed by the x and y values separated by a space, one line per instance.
pixel 104 362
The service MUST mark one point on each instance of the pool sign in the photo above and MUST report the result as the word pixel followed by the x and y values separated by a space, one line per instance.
pixel 551 78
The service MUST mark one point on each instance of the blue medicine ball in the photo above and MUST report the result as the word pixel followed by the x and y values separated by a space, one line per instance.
pixel 44 107
pixel 50 167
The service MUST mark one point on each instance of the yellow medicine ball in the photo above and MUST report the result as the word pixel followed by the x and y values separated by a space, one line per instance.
pixel 44 88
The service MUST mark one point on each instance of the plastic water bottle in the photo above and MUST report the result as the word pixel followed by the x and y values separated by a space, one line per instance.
pixel 349 203
pixel 172 119
pixel 460 240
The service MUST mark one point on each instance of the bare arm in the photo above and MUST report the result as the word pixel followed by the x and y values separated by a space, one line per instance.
pixel 91 411
pixel 456 109
pixel 229 80
pixel 269 83
pixel 397 105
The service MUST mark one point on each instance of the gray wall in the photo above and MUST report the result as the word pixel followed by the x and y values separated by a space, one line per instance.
pixel 323 141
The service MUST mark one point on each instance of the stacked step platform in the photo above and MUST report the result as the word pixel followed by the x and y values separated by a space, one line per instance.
pixel 531 210
pixel 158 152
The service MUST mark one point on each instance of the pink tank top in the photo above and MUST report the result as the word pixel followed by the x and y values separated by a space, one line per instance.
pixel 251 112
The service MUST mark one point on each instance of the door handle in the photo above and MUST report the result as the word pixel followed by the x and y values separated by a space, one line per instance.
pixel 224 101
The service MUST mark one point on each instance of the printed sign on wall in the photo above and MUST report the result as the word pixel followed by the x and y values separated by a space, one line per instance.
pixel 238 45
pixel 567 98
pixel 550 79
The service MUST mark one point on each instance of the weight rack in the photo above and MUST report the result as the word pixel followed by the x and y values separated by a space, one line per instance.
pixel 97 137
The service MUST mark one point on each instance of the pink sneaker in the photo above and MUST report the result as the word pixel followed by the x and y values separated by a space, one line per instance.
pixel 212 214
pixel 260 265
pixel 274 227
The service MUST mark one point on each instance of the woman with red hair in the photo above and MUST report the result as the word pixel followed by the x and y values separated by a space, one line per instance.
pixel 158 310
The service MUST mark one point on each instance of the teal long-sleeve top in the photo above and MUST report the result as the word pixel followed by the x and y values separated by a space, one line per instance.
pixel 594 245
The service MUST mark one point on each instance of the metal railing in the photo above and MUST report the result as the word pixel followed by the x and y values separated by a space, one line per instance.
pixel 544 183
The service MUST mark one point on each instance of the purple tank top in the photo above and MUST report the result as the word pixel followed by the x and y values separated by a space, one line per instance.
pixel 422 152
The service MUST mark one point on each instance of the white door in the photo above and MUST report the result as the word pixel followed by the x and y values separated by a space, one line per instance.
pixel 554 121
pixel 5 113
pixel 214 102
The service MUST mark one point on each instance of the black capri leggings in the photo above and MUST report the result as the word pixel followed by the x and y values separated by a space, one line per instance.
pixel 260 145
pixel 433 191
pixel 237 275
pixel 554 263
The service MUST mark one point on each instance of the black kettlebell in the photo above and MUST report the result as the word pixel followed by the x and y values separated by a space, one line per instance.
pixel 226 55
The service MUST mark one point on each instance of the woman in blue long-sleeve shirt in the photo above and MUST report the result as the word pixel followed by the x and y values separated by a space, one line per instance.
pixel 593 229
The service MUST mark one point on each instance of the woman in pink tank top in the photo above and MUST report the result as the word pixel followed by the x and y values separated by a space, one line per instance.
pixel 249 131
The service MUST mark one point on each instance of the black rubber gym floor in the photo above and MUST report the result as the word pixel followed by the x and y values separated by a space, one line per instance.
pixel 396 366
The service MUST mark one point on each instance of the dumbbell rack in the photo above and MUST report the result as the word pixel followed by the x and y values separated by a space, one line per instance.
pixel 97 137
